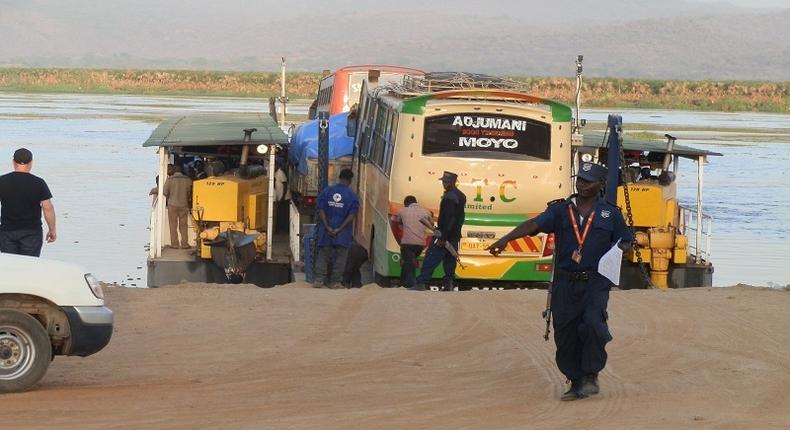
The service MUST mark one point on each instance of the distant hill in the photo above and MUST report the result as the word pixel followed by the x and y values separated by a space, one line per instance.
pixel 672 39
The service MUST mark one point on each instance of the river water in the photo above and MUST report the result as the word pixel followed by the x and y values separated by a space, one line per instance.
pixel 89 149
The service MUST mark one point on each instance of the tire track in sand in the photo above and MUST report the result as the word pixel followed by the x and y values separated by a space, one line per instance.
pixel 513 329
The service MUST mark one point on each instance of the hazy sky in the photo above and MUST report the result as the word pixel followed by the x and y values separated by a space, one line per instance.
pixel 752 3
pixel 698 39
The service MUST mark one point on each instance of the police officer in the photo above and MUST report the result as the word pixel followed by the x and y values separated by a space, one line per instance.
pixel 451 219
pixel 585 226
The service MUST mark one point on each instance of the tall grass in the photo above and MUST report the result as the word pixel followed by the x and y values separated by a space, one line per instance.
pixel 598 92
pixel 727 96
pixel 166 82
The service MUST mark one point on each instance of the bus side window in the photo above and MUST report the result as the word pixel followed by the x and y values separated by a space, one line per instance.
pixel 388 158
pixel 362 126
pixel 324 96
pixel 391 143
pixel 378 135
pixel 386 141
pixel 394 133
pixel 367 138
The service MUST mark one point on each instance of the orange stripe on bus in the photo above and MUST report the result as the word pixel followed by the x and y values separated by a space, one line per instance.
pixel 515 246
pixel 532 245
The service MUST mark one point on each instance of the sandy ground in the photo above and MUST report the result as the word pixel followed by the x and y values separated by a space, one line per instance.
pixel 218 356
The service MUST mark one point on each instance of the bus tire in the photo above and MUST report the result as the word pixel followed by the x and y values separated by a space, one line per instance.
pixel 366 274
pixel 375 277
pixel 25 351
pixel 381 280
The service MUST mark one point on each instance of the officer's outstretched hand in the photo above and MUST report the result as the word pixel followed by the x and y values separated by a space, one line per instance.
pixel 497 247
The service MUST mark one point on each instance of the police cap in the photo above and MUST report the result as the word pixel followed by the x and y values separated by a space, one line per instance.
pixel 449 177
pixel 592 172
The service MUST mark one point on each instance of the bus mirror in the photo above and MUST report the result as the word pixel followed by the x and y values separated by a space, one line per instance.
pixel 351 127
pixel 312 111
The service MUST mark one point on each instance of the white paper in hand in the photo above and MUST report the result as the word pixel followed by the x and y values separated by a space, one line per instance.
pixel 609 265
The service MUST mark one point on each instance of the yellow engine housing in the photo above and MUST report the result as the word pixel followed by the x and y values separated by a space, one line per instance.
pixel 232 199
pixel 652 205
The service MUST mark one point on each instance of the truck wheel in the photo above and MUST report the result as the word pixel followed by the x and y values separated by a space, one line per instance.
pixel 366 273
pixel 25 351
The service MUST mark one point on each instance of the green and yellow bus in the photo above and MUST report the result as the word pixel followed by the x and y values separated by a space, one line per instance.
pixel 511 151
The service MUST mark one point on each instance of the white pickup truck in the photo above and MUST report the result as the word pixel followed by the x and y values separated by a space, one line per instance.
pixel 47 308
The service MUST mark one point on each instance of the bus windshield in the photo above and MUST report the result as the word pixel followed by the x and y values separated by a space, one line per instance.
pixel 487 136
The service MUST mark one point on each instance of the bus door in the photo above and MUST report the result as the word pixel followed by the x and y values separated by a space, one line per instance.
pixel 361 147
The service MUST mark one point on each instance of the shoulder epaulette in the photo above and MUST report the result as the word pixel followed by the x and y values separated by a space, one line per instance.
pixel 555 201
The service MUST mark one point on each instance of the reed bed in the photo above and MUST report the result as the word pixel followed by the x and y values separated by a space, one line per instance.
pixel 728 96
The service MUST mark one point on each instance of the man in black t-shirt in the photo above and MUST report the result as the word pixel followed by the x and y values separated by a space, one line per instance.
pixel 23 198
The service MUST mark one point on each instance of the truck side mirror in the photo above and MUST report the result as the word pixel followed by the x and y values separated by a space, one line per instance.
pixel 351 127
pixel 312 111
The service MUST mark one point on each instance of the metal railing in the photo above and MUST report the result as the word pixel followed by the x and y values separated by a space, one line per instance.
pixel 698 231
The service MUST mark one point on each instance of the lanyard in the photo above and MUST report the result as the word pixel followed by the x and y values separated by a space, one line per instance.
pixel 580 238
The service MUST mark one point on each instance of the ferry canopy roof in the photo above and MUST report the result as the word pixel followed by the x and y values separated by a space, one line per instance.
pixel 596 140
pixel 215 129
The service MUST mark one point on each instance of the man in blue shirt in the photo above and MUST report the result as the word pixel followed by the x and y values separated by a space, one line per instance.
pixel 585 227
pixel 337 206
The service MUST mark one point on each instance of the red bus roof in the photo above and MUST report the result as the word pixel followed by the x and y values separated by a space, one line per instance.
pixel 382 67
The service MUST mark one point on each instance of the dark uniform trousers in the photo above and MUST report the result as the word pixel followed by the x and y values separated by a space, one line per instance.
pixel 580 329
pixel 435 255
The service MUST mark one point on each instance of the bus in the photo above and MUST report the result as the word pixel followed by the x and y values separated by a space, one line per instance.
pixel 511 151
pixel 339 91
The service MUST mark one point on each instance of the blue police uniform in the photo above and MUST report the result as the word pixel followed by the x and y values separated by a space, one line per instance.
pixel 580 294
pixel 451 219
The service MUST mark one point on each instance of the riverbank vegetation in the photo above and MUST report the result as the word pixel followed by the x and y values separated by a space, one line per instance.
pixel 728 96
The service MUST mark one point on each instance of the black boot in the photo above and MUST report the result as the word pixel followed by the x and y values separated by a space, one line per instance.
pixel 418 287
pixel 589 384
pixel 448 286
pixel 575 392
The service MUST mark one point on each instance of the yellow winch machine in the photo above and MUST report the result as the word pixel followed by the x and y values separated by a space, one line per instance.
pixel 222 204
pixel 656 216
pixel 660 230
